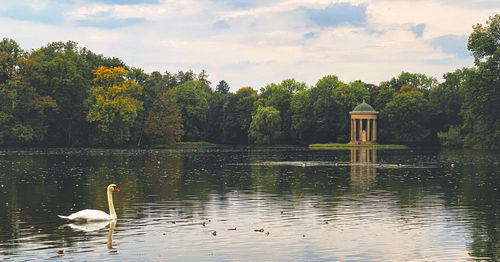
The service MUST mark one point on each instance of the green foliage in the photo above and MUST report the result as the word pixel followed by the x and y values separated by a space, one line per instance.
pixel 445 101
pixel 292 85
pixel 265 126
pixel 215 116
pixel 11 47
pixel 64 75
pixel 192 99
pixel 351 95
pixel 406 118
pixel 326 111
pixel 419 81
pixel 10 51
pixel 484 42
pixel 278 96
pixel 22 110
pixel 302 124
pixel 164 121
pixel 381 95
pixel 238 115
pixel 481 106
pixel 97 60
pixel 452 138
pixel 222 87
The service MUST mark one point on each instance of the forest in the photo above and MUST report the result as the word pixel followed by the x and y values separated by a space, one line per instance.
pixel 63 95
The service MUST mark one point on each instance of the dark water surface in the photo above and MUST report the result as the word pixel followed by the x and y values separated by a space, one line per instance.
pixel 205 204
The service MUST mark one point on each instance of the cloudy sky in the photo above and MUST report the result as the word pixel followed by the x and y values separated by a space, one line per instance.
pixel 257 42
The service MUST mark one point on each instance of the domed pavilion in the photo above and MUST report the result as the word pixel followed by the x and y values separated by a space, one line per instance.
pixel 363 124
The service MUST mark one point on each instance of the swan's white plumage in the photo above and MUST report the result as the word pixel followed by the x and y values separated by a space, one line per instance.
pixel 88 215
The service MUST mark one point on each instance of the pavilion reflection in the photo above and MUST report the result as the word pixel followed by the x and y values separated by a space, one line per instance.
pixel 363 168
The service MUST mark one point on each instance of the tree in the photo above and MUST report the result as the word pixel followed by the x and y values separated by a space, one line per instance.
pixel 278 97
pixel 23 110
pixel 238 115
pixel 164 121
pixel 302 123
pixel 10 51
pixel 326 111
pixel 65 76
pixel 113 105
pixel 418 81
pixel 182 77
pixel 484 42
pixel 192 98
pixel 406 118
pixel 97 60
pixel 445 102
pixel 292 85
pixel 384 93
pixel 481 107
pixel 222 87
pixel 265 126
pixel 215 116
pixel 381 95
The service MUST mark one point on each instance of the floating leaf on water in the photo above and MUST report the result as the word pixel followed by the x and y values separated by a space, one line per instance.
pixel 214 233
pixel 231 228
pixel 259 230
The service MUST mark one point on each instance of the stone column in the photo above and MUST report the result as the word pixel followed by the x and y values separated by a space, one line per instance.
pixel 371 130
pixel 352 125
pixel 361 129
pixel 355 131
pixel 374 129
pixel 368 134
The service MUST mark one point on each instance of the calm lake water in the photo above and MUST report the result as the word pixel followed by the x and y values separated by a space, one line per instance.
pixel 211 204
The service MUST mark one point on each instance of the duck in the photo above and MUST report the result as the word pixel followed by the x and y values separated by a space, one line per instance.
pixel 92 215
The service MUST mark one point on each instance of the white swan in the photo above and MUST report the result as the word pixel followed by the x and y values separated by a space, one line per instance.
pixel 88 215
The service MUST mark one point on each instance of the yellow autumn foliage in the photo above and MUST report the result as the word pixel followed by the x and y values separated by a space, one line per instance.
pixel 113 99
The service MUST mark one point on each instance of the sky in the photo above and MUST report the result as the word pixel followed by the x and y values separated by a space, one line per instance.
pixel 258 42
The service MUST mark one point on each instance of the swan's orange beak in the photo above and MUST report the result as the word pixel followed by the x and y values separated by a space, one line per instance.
pixel 116 189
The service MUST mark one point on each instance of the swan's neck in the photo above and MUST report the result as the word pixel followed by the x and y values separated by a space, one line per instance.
pixel 112 212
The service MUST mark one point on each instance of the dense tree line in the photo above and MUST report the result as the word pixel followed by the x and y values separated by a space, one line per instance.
pixel 62 95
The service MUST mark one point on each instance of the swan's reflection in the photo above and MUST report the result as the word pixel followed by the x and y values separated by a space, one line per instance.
pixel 89 226
pixel 112 225
pixel 94 226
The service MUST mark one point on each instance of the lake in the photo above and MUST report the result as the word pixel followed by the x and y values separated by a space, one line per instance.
pixel 252 204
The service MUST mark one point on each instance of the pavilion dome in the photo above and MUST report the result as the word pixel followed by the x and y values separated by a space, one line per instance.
pixel 364 107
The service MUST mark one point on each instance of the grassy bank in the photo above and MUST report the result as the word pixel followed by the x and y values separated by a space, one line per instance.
pixel 185 144
pixel 347 146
